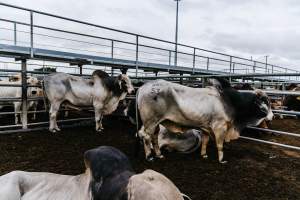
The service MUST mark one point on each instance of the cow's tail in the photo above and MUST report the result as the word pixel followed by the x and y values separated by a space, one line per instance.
pixel 186 196
pixel 138 123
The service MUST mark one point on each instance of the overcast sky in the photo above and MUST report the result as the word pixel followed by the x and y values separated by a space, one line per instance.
pixel 246 28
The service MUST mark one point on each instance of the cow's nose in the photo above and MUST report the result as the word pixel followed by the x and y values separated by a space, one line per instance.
pixel 34 92
pixel 130 90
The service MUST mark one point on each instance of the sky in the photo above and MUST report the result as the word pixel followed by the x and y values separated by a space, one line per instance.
pixel 252 28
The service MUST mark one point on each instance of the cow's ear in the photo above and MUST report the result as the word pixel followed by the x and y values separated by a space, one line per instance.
pixel 259 93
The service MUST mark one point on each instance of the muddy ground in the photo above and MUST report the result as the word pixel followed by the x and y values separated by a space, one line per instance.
pixel 253 171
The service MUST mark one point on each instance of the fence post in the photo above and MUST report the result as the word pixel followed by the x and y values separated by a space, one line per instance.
pixel 230 68
pixel 207 63
pixel 24 93
pixel 194 60
pixel 170 56
pixel 31 34
pixel 15 33
pixel 80 69
pixel 254 66
pixel 230 64
pixel 137 56
pixel 112 56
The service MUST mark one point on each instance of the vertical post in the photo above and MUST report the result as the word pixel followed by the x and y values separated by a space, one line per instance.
pixel 170 56
pixel 31 34
pixel 137 56
pixel 203 82
pixel 254 66
pixel 230 68
pixel 24 93
pixel 272 69
pixel 266 64
pixel 80 69
pixel 181 80
pixel 233 68
pixel 194 59
pixel 15 33
pixel 176 33
pixel 230 64
pixel 112 56
pixel 207 63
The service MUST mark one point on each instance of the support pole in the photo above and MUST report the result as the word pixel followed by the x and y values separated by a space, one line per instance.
pixel 194 60
pixel 80 69
pixel 31 34
pixel 112 56
pixel 137 56
pixel 24 93
pixel 15 33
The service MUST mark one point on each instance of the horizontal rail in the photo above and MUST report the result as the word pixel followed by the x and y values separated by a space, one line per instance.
pixel 271 143
pixel 275 131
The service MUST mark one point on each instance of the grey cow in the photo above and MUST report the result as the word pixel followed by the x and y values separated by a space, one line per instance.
pixel 220 111
pixel 101 91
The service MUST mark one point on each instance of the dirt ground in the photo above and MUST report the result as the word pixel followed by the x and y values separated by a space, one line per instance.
pixel 253 171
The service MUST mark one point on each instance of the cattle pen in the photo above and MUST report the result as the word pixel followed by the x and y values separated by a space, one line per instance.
pixel 30 48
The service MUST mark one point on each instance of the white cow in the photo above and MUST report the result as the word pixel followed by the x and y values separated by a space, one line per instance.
pixel 16 92
pixel 220 111
pixel 101 91
pixel 108 176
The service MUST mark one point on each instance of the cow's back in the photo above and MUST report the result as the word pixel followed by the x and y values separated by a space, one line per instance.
pixel 184 105
pixel 55 85
pixel 151 185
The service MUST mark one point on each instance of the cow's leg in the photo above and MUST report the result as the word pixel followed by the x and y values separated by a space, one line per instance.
pixel 98 120
pixel 17 106
pixel 220 130
pixel 53 115
pixel 35 104
pixel 205 140
pixel 147 143
pixel 154 139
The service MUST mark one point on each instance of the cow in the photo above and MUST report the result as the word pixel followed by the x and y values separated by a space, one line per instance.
pixel 292 102
pixel 16 92
pixel 101 91
pixel 108 176
pixel 219 111
pixel 187 142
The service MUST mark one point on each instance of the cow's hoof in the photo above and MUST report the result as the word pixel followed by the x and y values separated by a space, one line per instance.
pixel 99 130
pixel 160 157
pixel 150 158
pixel 223 162
pixel 52 130
pixel 205 156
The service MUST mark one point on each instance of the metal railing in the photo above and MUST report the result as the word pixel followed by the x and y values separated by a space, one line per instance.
pixel 208 59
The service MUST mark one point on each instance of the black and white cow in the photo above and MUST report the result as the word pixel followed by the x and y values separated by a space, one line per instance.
pixel 101 91
pixel 108 176
pixel 220 111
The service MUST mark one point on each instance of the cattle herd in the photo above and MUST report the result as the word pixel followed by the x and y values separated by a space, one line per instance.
pixel 167 115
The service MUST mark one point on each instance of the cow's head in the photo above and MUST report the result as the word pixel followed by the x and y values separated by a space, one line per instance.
pixel 32 80
pixel 262 106
pixel 125 83
pixel 14 78
pixel 104 163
